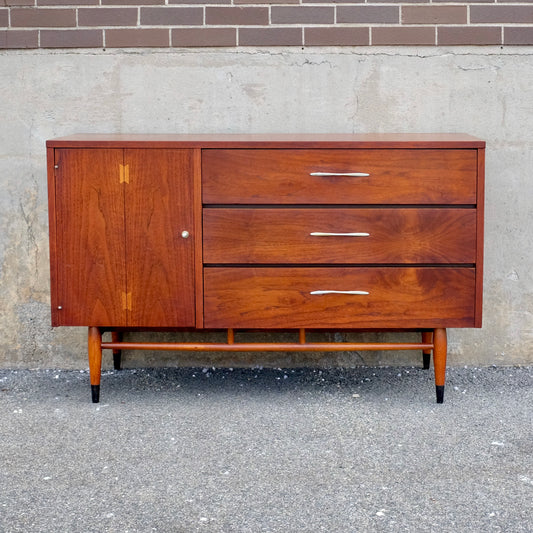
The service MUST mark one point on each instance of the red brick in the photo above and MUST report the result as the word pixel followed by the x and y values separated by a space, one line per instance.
pixel 67 3
pixel 204 37
pixel 466 35
pixel 339 1
pixel 236 16
pixel 468 1
pixel 19 38
pixel 498 14
pixel 72 38
pixel 335 36
pixel 434 14
pixel 302 15
pixel 368 14
pixel 4 18
pixel 43 18
pixel 201 2
pixel 148 37
pixel 403 2
pixel 393 35
pixel 107 16
pixel 132 2
pixel 171 16
pixel 275 2
pixel 270 37
pixel 518 35
pixel 11 3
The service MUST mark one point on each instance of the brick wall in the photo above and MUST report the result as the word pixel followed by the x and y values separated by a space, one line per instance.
pixel 194 23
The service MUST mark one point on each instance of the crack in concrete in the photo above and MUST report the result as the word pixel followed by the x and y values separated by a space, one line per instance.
pixel 286 51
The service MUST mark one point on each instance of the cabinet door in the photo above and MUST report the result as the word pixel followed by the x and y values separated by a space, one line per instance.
pixel 90 252
pixel 160 262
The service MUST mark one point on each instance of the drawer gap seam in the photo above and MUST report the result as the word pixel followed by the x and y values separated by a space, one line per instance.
pixel 339 265
pixel 339 206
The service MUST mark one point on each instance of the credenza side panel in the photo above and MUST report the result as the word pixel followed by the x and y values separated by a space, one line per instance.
pixel 480 210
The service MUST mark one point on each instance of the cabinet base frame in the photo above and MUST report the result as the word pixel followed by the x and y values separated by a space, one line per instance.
pixel 432 341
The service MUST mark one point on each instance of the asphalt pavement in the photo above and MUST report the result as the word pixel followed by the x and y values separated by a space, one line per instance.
pixel 267 450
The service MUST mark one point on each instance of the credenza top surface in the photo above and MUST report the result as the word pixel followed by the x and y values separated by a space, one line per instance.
pixel 326 140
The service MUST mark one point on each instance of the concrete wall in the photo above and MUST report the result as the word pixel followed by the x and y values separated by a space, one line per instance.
pixel 484 91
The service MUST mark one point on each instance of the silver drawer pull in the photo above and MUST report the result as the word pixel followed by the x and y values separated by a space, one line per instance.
pixel 319 293
pixel 322 234
pixel 348 174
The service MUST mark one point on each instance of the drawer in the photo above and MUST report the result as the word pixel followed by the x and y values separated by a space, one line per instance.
pixel 393 297
pixel 288 235
pixel 395 176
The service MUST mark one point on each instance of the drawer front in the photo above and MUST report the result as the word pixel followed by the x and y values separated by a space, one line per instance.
pixel 393 297
pixel 395 176
pixel 340 236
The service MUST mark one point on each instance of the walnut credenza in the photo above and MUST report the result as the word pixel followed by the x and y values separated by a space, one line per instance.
pixel 297 232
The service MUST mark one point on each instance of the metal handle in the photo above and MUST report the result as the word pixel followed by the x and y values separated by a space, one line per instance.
pixel 319 293
pixel 325 234
pixel 348 174
pixel 185 234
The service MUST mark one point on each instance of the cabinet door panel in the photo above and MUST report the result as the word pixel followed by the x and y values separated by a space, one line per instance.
pixel 90 266
pixel 160 262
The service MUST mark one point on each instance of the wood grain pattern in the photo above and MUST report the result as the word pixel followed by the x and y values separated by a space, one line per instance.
pixel 160 263
pixel 89 234
pixel 248 235
pixel 395 177
pixel 269 297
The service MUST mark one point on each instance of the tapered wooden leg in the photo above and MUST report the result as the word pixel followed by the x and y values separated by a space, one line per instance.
pixel 95 361
pixel 427 337
pixel 116 336
pixel 439 361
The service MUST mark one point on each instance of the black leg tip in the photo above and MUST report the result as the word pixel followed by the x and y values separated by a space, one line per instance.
pixel 440 393
pixel 427 359
pixel 95 393
pixel 117 360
